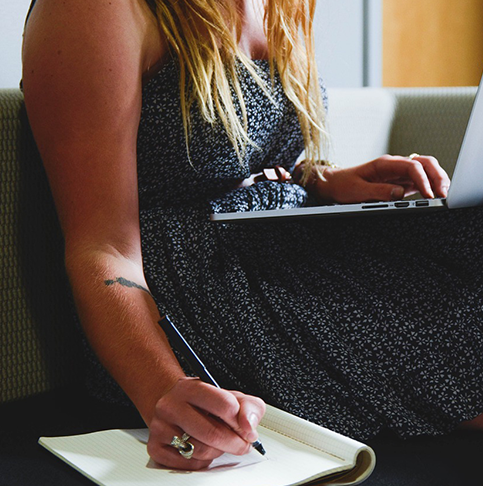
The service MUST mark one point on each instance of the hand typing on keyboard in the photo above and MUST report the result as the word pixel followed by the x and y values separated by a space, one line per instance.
pixel 387 178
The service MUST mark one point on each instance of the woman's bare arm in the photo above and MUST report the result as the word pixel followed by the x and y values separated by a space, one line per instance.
pixel 83 67
pixel 83 63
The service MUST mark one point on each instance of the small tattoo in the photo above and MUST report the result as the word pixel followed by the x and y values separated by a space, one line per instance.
pixel 126 283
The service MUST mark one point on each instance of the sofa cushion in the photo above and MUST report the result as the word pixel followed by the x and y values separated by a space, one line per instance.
pixel 431 121
pixel 359 122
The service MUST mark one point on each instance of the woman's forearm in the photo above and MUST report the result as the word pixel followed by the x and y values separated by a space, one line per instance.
pixel 120 319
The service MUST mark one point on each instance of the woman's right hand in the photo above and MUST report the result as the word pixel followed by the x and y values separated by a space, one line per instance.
pixel 216 420
pixel 386 178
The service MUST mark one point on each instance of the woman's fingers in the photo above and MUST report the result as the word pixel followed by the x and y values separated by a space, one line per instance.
pixel 161 450
pixel 422 173
pixel 401 171
pixel 213 432
pixel 216 421
pixel 252 409
pixel 419 177
pixel 212 436
pixel 438 178
pixel 205 412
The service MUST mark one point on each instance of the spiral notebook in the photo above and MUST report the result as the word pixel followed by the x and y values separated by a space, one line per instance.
pixel 298 452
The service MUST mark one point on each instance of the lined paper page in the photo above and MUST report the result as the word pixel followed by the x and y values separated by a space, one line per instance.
pixel 120 458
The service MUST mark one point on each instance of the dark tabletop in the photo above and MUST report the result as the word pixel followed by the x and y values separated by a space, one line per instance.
pixel 453 460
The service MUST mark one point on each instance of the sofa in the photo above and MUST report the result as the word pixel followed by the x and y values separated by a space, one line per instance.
pixel 41 365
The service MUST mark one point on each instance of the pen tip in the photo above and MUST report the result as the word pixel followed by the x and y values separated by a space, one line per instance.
pixel 259 447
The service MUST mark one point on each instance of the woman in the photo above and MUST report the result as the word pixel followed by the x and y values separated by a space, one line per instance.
pixel 148 116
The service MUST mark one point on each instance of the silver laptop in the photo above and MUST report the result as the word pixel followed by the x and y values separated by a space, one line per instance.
pixel 466 188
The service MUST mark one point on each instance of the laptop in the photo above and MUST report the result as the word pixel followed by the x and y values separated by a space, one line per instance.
pixel 466 188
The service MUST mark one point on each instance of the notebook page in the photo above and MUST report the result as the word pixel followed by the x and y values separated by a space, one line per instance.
pixel 119 458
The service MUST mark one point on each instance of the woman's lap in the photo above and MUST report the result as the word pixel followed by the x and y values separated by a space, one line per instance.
pixel 378 318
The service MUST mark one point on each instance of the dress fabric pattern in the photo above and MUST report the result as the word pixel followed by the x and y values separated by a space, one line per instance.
pixel 358 324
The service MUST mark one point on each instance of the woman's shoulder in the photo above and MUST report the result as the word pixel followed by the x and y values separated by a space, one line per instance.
pixel 122 29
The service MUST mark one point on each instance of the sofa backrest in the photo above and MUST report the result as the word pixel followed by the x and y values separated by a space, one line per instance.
pixel 360 122
pixel 368 122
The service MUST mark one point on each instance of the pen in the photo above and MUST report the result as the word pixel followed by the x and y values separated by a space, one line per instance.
pixel 195 363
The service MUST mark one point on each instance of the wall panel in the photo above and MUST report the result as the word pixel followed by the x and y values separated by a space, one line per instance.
pixel 432 42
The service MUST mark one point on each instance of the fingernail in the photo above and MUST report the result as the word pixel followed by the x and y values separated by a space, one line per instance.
pixel 253 420
pixel 252 436
pixel 397 193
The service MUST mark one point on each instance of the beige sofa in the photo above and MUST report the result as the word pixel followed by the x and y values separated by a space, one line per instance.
pixel 39 348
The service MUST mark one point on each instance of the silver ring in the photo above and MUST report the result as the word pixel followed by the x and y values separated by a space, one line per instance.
pixel 185 448
pixel 413 156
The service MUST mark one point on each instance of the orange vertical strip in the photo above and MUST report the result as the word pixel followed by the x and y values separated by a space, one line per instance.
pixel 432 42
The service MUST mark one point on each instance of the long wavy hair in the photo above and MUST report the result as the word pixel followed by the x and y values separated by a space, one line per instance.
pixel 204 35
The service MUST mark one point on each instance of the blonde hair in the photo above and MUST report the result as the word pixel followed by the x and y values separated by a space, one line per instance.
pixel 204 35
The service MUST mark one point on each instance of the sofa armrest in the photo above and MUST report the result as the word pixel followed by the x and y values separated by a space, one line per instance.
pixel 39 348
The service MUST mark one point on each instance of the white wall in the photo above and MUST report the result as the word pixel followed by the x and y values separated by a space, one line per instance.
pixel 12 17
pixel 347 34
pixel 348 42
pixel 339 42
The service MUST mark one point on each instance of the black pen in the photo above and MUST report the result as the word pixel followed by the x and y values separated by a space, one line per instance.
pixel 195 363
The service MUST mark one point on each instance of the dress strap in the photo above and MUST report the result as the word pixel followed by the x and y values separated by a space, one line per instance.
pixel 32 3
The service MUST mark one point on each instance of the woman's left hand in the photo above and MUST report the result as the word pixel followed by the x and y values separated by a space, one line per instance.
pixel 383 179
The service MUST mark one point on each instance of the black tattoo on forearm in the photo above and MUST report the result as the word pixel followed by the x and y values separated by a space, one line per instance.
pixel 127 283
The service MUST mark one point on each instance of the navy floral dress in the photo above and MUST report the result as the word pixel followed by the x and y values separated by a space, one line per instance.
pixel 358 324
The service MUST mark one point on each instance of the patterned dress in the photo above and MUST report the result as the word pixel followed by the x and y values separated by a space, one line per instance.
pixel 358 324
